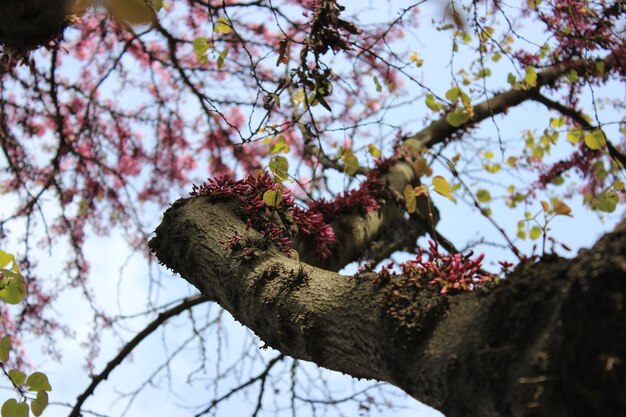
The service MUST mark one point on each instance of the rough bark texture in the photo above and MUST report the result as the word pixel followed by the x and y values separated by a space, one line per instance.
pixel 550 341
pixel 374 234
pixel 25 24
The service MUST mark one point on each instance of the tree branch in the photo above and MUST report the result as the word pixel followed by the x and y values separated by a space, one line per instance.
pixel 185 305
pixel 579 118
pixel 440 130
pixel 546 342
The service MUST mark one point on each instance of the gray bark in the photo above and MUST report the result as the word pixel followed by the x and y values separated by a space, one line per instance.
pixel 549 341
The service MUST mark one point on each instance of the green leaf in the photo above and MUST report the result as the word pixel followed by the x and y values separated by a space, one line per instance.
pixel 573 136
pixel 443 187
pixel 5 348
pixel 511 161
pixel 271 198
pixel 557 122
pixel 220 59
pixel 421 167
pixel 6 259
pixel 379 87
pixel 572 76
pixel 40 403
pixel 600 67
pixel 432 103
pixel 351 162
pixel 17 377
pixel 132 12
pixel 483 196
pixel 531 76
pixel 483 73
pixel 279 167
pixel 492 168
pixel 453 94
pixel 201 45
pixel 410 201
pixel 511 79
pixel 223 26
pixel 561 208
pixel 373 150
pixel 12 288
pixel 38 381
pixel 535 232
pixel 11 408
pixel 608 201
pixel 280 145
pixel 595 140
pixel 457 117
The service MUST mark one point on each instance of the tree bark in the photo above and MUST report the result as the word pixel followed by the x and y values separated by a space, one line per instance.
pixel 548 341
pixel 26 24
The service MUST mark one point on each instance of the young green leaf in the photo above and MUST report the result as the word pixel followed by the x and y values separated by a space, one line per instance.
pixel 6 259
pixel 410 201
pixel 483 196
pixel 573 136
pixel 561 208
pixel 458 117
pixel 12 287
pixel 132 12
pixel 433 104
pixel 379 87
pixel 40 403
pixel 223 26
pixel 453 94
pixel 17 377
pixel 271 198
pixel 443 187
pixel 279 167
pixel 11 408
pixel 373 150
pixel 351 162
pixel 414 57
pixel 511 79
pixel 38 381
pixel 200 47
pixel 220 59
pixel 595 140
pixel 5 348
pixel 557 122
pixel 280 145
pixel 531 76
pixel 535 232
pixel 421 167
pixel 608 201
pixel 511 161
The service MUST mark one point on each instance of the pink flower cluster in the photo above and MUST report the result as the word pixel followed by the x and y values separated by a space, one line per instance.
pixel 274 222
pixel 451 273
pixel 365 199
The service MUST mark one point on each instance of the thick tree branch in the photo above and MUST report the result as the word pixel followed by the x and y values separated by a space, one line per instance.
pixel 581 120
pixel 356 233
pixel 548 341
pixel 440 130
pixel 26 24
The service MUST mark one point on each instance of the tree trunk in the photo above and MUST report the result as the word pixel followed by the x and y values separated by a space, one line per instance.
pixel 548 341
